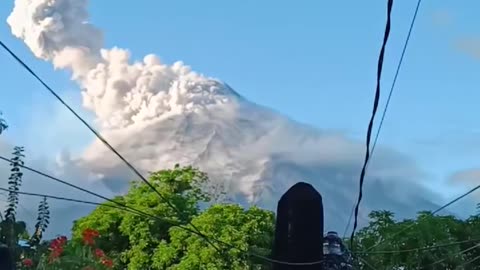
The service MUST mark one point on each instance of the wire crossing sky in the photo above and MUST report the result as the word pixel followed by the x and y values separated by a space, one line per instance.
pixel 302 60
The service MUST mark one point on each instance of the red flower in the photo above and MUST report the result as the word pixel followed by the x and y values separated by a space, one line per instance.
pixel 107 262
pixel 56 247
pixel 27 262
pixel 99 253
pixel 89 236
pixel 62 239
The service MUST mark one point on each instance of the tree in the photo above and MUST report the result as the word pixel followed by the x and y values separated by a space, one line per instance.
pixel 10 228
pixel 43 219
pixel 139 242
pixel 15 181
pixel 3 124
pixel 250 230
pixel 426 230
pixel 136 237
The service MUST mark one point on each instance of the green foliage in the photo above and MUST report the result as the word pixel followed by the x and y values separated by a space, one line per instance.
pixel 250 229
pixel 131 239
pixel 134 241
pixel 64 254
pixel 12 230
pixel 425 231
pixel 43 219
pixel 3 124
pixel 14 182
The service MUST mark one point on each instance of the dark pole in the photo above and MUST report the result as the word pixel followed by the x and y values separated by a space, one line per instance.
pixel 299 228
pixel 6 261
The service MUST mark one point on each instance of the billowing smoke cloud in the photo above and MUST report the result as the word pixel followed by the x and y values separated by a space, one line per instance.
pixel 58 31
pixel 157 115
pixel 119 93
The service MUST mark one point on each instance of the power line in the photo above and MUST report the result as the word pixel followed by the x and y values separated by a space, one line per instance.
pixel 421 248
pixel 456 254
pixel 469 262
pixel 430 248
pixel 56 179
pixel 433 213
pixel 105 142
pixel 65 199
pixel 412 24
pixel 127 209
pixel 97 134
pixel 367 263
pixel 89 192
pixel 392 87
pixel 141 213
pixel 372 119
pixel 349 221
pixel 19 204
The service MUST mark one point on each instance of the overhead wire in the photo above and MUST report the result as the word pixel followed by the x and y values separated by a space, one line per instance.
pixel 56 179
pixel 104 141
pixel 133 210
pixel 127 209
pixel 372 119
pixel 367 263
pixel 397 72
pixel 433 213
pixel 27 211
pixel 97 134
pixel 419 249
pixel 449 256
pixel 468 262
pixel 390 94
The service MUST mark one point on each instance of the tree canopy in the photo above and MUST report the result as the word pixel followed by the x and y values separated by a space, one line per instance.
pixel 390 244
pixel 140 242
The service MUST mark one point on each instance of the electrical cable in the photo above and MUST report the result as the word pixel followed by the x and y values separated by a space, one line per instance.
pixel 366 263
pixel 372 119
pixel 420 249
pixel 433 213
pixel 97 134
pixel 127 209
pixel 468 262
pixel 56 179
pixel 392 87
pixel 141 213
pixel 456 254
pixel 412 24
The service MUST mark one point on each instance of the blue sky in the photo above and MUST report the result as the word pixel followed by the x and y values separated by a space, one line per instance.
pixel 315 62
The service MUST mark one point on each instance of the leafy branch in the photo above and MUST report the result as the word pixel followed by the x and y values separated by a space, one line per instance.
pixel 43 220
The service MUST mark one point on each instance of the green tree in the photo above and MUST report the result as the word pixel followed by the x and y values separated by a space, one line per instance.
pixel 11 229
pixel 3 124
pixel 14 182
pixel 250 229
pixel 426 230
pixel 43 219
pixel 132 239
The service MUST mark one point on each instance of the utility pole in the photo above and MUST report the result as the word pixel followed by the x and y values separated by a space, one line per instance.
pixel 299 229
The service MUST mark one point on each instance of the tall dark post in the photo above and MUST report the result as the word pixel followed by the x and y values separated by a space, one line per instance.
pixel 6 261
pixel 299 228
